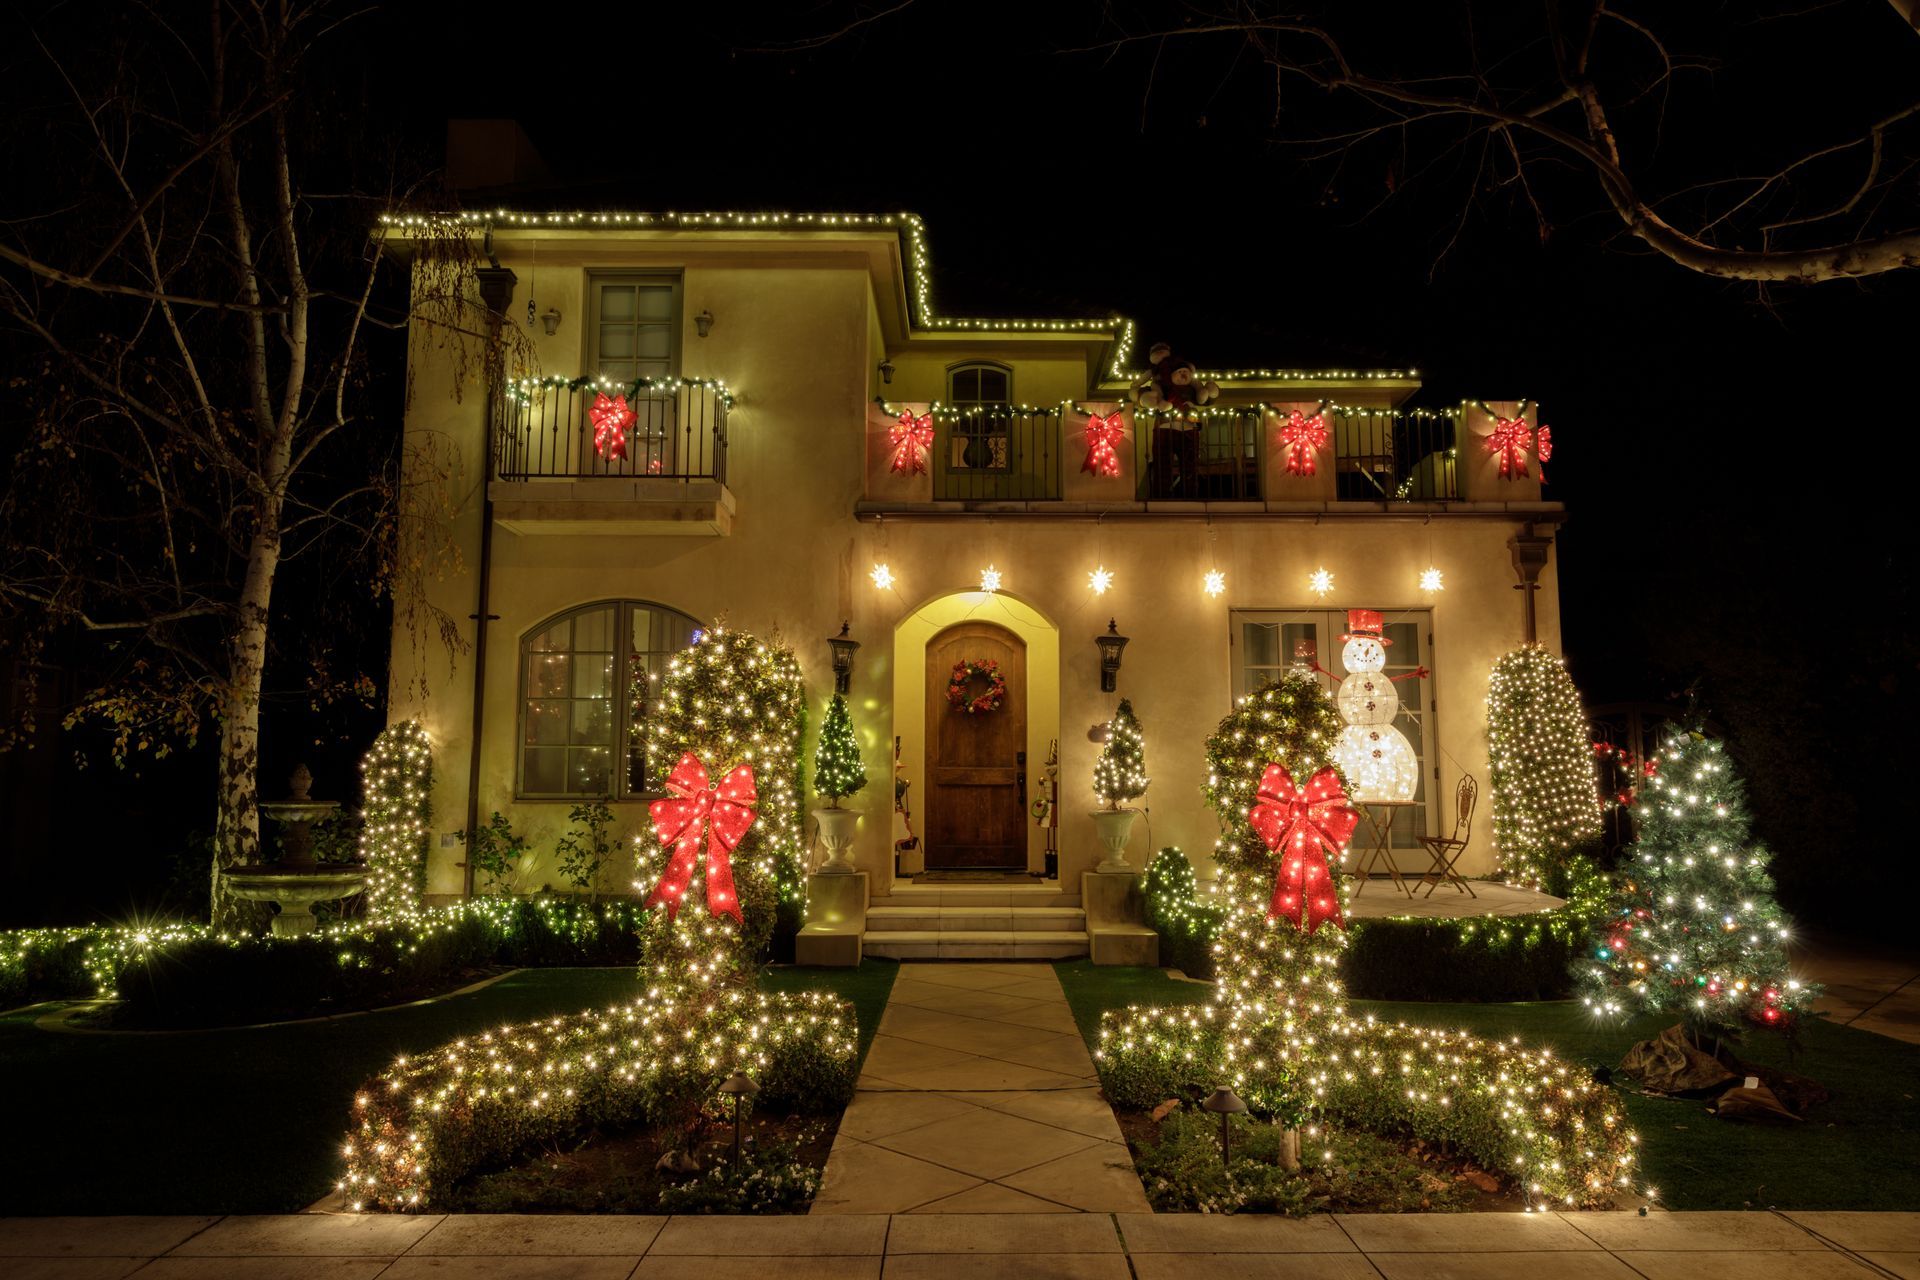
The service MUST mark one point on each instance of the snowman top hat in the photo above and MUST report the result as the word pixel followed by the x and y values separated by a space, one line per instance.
pixel 1365 624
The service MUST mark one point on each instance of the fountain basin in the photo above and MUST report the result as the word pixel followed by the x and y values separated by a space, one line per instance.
pixel 294 890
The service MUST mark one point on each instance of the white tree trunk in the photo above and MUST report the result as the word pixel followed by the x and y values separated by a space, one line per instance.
pixel 237 815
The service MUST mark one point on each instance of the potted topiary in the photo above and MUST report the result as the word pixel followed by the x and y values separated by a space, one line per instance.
pixel 1119 775
pixel 838 773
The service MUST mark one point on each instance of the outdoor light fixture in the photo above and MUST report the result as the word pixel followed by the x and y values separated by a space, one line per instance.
pixel 842 658
pixel 550 320
pixel 1110 646
pixel 886 372
pixel 742 1087
pixel 1224 1103
pixel 703 323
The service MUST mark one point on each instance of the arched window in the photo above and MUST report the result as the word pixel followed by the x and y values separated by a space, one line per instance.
pixel 587 682
pixel 979 440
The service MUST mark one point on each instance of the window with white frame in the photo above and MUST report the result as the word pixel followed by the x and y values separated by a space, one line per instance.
pixel 588 679
pixel 1267 642
pixel 635 324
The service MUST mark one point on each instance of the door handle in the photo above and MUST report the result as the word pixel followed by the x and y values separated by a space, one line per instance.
pixel 1020 775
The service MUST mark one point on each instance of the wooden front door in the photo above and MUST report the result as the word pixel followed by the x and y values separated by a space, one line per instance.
pixel 976 774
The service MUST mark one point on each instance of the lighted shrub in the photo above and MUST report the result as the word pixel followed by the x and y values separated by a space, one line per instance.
pixel 481 1101
pixel 1174 909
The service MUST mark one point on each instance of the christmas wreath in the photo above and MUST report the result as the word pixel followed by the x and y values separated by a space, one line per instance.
pixel 961 683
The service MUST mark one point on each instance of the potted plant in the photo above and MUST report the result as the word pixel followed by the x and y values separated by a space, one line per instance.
pixel 1119 775
pixel 838 773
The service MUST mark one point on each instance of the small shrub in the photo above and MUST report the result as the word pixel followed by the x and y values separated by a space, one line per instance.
pixel 587 846
pixel 1186 922
pixel 493 850
pixel 772 1180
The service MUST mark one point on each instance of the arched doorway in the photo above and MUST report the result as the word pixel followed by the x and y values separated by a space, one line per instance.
pixel 977 774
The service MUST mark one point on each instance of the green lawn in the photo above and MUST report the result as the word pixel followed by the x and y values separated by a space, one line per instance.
pixel 250 1121
pixel 1860 1150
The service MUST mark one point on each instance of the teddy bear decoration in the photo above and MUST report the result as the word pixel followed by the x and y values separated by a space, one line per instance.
pixel 1173 384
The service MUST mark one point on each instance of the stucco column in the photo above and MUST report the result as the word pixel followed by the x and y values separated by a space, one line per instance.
pixel 1278 485
pixel 1478 464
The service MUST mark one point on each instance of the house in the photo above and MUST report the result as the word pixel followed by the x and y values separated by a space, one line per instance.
pixel 818 447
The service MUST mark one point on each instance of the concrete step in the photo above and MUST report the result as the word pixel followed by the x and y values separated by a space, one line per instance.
pixel 974 944
pixel 955 895
pixel 895 917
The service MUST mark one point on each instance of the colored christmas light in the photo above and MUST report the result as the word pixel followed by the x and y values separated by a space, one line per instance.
pixel 1302 437
pixel 911 438
pixel 1104 434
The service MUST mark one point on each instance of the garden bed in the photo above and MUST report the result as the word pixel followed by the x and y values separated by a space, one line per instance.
pixel 1177 1154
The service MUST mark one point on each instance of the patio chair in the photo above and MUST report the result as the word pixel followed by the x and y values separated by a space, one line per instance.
pixel 1446 850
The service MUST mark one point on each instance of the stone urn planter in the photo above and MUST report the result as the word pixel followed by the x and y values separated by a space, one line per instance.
pixel 1115 828
pixel 837 827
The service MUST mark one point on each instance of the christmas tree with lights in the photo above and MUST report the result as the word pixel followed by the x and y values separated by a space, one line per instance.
pixel 1120 774
pixel 1694 929
pixel 838 771
pixel 1545 792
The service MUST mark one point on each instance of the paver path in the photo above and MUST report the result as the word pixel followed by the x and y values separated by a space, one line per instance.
pixel 978 1097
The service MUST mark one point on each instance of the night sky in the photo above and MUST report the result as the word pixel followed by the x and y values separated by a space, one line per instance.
pixel 1736 465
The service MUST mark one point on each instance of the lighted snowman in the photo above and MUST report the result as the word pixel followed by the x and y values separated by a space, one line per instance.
pixel 1376 757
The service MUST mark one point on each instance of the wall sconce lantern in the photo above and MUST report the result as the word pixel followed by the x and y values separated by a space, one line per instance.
pixel 550 320
pixel 1110 646
pixel 886 372
pixel 843 648
pixel 703 323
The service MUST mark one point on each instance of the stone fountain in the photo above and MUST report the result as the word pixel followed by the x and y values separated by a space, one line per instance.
pixel 295 882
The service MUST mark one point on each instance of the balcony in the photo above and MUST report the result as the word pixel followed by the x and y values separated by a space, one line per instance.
pixel 997 453
pixel 1215 460
pixel 662 471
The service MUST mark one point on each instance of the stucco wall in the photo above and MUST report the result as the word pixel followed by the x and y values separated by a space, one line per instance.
pixel 798 340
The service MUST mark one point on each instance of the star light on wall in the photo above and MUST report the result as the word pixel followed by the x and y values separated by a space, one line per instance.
pixel 882 577
pixel 989 579
pixel 1430 580
pixel 1214 583
pixel 1100 579
pixel 1320 582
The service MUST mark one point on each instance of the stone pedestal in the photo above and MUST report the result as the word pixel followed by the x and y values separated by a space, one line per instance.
pixel 836 919
pixel 1116 932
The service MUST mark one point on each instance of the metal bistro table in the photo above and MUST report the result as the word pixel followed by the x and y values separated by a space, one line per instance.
pixel 1380 852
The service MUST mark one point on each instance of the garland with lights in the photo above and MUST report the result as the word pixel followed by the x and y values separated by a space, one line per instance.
pixel 838 770
pixel 398 810
pixel 1120 774
pixel 1693 928
pixel 960 684
pixel 524 389
pixel 1279 1034
pixel 1545 790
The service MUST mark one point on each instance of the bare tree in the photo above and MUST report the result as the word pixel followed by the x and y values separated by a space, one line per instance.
pixel 1526 96
pixel 196 413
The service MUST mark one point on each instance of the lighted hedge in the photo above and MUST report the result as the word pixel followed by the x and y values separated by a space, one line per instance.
pixel 478 1102
pixel 190 974
pixel 1279 1033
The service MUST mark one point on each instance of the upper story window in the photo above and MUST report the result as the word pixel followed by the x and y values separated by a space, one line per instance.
pixel 588 679
pixel 979 441
pixel 635 324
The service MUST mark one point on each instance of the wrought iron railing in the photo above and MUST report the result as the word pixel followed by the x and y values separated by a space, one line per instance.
pixel 996 453
pixel 1215 458
pixel 1394 455
pixel 672 428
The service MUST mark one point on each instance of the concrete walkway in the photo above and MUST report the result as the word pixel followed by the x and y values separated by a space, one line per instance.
pixel 1591 1246
pixel 1871 988
pixel 978 1097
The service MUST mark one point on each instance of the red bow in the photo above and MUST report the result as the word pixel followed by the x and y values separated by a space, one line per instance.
pixel 1543 449
pixel 677 821
pixel 911 439
pixel 1303 821
pixel 1302 436
pixel 1102 435
pixel 611 417
pixel 1511 439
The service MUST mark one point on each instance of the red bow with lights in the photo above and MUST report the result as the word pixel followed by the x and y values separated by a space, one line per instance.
pixel 1103 433
pixel 1301 825
pixel 1302 437
pixel 1543 449
pixel 611 416
pixel 678 821
pixel 911 438
pixel 1510 440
